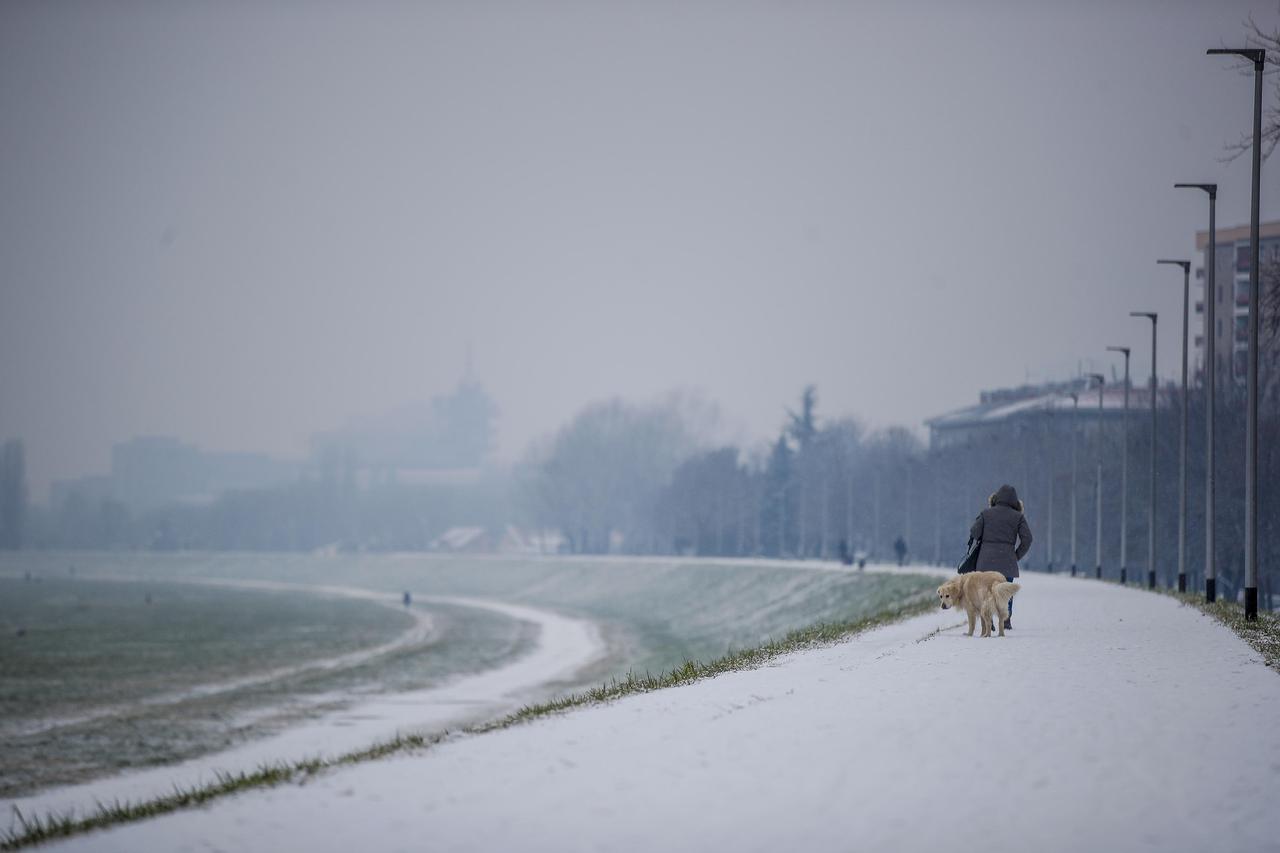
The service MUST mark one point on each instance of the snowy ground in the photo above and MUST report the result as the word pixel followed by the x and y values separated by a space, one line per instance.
pixel 419 633
pixel 564 646
pixel 1110 719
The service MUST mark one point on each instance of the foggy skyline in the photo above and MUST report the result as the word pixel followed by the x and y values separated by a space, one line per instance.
pixel 244 224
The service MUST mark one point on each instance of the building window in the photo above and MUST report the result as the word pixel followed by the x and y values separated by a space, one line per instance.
pixel 1242 257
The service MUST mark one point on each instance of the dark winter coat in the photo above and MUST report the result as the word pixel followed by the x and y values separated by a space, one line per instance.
pixel 1004 532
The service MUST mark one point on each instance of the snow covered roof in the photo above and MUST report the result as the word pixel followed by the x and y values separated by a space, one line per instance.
pixel 1002 405
pixel 459 539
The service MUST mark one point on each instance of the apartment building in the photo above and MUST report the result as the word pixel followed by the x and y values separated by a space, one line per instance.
pixel 1231 337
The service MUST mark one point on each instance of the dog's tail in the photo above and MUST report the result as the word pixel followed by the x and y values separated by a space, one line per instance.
pixel 1003 593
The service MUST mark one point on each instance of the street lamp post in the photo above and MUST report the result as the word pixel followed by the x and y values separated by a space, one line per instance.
pixel 875 535
pixel 1124 474
pixel 1182 451
pixel 1210 382
pixel 1259 59
pixel 1151 501
pixel 937 512
pixel 1053 473
pixel 1097 572
pixel 1075 429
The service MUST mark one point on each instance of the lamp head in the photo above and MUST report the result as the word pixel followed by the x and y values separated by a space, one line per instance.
pixel 1186 265
pixel 1124 350
pixel 1255 55
pixel 1211 189
pixel 1148 314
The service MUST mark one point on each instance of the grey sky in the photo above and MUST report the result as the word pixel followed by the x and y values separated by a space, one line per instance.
pixel 241 223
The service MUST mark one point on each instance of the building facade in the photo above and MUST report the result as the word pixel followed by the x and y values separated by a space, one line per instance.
pixel 1002 412
pixel 1230 338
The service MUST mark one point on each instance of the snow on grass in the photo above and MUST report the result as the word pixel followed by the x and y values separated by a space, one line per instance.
pixel 35 828
pixel 1108 719
pixel 564 646
pixel 1262 633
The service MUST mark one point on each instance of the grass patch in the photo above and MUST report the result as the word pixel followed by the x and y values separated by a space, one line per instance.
pixel 1263 634
pixel 27 831
pixel 821 634
pixel 35 830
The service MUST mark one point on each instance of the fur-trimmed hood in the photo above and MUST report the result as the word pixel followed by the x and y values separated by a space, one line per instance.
pixel 1005 495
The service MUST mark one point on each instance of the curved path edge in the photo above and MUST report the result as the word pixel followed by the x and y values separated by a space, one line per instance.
pixel 564 647
pixel 1109 719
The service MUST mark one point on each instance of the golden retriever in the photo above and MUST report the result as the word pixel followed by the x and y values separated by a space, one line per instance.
pixel 983 595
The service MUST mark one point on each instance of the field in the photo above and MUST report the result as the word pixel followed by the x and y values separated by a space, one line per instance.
pixel 114 661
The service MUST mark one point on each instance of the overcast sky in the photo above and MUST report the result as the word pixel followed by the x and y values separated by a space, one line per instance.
pixel 241 223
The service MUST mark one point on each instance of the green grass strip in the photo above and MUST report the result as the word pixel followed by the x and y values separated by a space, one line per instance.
pixel 28 831
pixel 1263 634
pixel 820 634
pixel 35 830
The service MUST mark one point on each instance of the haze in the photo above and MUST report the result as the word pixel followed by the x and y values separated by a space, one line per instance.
pixel 242 224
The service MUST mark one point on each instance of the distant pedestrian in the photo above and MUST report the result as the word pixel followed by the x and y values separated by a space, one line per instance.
pixel 1004 535
pixel 408 599
pixel 900 548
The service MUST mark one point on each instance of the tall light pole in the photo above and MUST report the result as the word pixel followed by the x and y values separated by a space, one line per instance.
pixel 937 510
pixel 1182 451
pixel 1124 474
pixel 1151 501
pixel 1097 572
pixel 1210 382
pixel 1075 430
pixel 1053 472
pixel 875 535
pixel 1259 59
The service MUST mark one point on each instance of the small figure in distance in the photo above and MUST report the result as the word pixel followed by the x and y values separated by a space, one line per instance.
pixel 846 556
pixel 408 599
pixel 900 548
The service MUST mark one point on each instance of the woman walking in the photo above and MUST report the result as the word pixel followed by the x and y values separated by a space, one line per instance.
pixel 1005 536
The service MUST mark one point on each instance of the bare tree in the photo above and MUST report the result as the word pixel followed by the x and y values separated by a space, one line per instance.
pixel 1256 36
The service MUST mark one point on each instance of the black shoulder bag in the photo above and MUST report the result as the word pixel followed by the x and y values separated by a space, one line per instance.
pixel 970 561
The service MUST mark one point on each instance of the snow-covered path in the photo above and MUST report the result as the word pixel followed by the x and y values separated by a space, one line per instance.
pixel 1110 719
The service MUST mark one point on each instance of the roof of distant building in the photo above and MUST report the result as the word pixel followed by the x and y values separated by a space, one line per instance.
pixel 1003 404
pixel 1237 233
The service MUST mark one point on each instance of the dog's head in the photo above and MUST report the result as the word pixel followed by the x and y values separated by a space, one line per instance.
pixel 949 594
